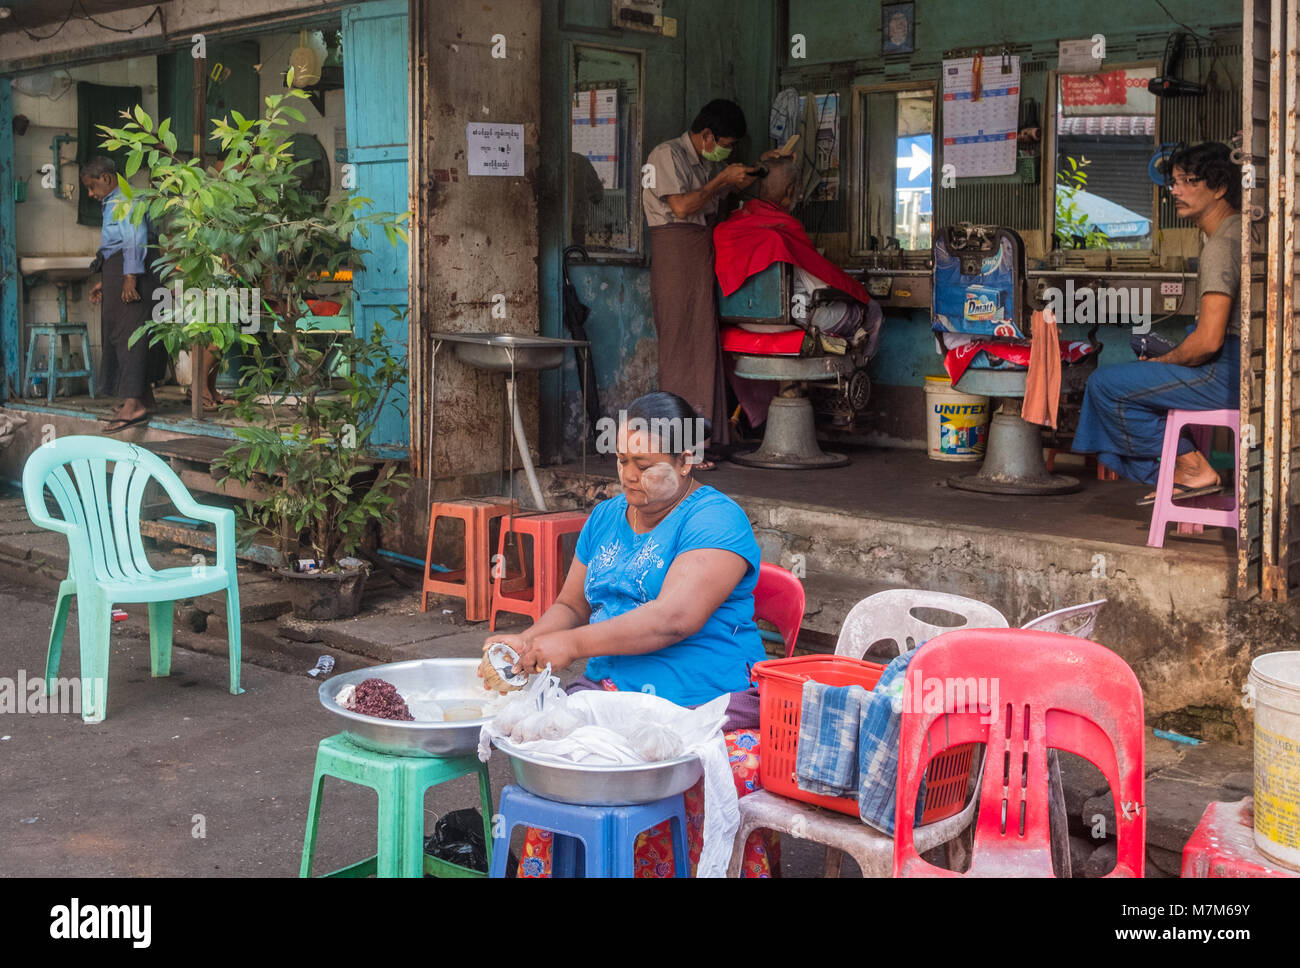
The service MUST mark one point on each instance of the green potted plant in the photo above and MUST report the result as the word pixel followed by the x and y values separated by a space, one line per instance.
pixel 307 435
pixel 1072 223
pixel 243 229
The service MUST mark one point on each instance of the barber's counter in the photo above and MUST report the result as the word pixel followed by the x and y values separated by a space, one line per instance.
pixel 1125 293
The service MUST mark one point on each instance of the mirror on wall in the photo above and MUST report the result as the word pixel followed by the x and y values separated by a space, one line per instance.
pixel 895 148
pixel 605 111
pixel 1106 126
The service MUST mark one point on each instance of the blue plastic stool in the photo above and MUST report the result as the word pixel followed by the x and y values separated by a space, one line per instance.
pixel 606 834
pixel 401 783
pixel 62 369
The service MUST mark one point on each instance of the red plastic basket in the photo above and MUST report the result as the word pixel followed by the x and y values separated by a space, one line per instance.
pixel 780 699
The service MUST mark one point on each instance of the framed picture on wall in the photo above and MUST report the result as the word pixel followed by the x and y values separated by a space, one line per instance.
pixel 897 28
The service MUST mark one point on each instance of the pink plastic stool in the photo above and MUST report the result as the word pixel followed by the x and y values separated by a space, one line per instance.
pixel 1215 510
pixel 546 530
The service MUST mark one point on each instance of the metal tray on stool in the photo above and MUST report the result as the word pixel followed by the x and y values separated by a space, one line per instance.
pixel 603 786
pixel 414 738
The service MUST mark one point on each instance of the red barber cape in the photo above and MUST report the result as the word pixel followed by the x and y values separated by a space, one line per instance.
pixel 761 233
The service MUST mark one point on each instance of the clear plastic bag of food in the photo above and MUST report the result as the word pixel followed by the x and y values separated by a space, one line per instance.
pixel 656 742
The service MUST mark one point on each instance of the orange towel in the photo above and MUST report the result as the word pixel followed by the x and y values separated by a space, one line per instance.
pixel 1043 382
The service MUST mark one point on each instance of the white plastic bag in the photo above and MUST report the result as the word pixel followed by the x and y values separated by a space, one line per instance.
pixel 656 742
pixel 612 718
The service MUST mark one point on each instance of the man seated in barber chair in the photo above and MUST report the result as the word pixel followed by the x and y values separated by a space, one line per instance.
pixel 825 299
pixel 828 311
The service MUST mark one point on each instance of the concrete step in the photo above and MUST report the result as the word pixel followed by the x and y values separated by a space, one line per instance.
pixel 1171 614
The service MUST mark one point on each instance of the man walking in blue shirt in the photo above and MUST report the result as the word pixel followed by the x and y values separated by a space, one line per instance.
pixel 124 290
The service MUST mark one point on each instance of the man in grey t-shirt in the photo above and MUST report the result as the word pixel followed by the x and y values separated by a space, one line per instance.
pixel 1125 406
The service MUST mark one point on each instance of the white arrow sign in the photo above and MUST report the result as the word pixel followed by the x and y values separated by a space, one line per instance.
pixel 918 162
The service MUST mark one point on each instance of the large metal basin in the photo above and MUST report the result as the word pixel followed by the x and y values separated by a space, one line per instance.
pixel 603 786
pixel 56 268
pixel 411 739
pixel 496 351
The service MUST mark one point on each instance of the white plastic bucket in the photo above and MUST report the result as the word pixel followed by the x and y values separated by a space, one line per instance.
pixel 1274 686
pixel 956 424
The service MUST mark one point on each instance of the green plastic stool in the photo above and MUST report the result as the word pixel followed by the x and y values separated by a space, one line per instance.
pixel 401 782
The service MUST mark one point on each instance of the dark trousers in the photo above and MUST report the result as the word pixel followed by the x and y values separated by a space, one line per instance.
pixel 127 371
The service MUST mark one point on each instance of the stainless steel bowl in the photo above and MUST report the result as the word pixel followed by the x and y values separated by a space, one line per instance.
pixel 411 739
pixel 603 786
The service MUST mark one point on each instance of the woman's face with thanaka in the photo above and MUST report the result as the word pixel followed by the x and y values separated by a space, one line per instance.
pixel 651 480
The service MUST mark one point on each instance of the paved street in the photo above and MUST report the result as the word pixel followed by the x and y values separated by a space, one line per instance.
pixel 181 756
pixel 175 757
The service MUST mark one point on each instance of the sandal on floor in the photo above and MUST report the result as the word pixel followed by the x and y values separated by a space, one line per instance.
pixel 1182 493
pixel 122 424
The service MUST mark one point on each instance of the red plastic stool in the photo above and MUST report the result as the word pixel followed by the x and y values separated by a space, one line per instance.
pixel 473 583
pixel 1215 510
pixel 546 531
pixel 1223 845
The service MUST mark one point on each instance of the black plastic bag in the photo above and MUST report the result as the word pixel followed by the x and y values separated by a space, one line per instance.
pixel 458 839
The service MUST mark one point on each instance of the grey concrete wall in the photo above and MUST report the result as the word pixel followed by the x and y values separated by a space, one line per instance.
pixel 82 39
pixel 479 236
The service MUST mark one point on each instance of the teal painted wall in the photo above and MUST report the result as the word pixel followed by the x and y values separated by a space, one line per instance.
pixel 847 30
pixel 721 50
pixel 843 37
pixel 734 50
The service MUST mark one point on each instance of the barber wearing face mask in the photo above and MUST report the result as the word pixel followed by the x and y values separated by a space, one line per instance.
pixel 684 180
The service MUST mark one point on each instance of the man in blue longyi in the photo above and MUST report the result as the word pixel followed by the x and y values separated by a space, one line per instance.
pixel 1125 406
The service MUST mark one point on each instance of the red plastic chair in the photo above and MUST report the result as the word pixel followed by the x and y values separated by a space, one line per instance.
pixel 1053 691
pixel 779 599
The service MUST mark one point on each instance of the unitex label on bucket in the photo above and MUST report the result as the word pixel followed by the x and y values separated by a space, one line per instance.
pixel 1274 687
pixel 1277 788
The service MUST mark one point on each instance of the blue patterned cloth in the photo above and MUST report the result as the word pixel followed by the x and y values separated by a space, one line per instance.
pixel 829 723
pixel 878 742
pixel 848 743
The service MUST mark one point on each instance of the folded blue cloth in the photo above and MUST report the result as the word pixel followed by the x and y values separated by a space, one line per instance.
pixel 829 722
pixel 878 742
pixel 848 743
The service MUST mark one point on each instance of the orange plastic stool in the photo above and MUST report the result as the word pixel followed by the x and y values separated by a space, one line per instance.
pixel 473 583
pixel 548 577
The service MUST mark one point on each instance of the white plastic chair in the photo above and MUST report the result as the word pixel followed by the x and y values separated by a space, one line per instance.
pixel 890 616
pixel 885 615
pixel 1077 620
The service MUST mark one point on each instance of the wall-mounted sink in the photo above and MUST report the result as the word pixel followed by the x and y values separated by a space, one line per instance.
pixel 510 354
pixel 504 352
pixel 56 268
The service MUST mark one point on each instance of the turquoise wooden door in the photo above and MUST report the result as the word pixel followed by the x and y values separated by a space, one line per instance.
pixel 375 67
pixel 11 383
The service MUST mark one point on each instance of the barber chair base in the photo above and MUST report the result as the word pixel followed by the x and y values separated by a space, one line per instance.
pixel 790 441
pixel 1013 463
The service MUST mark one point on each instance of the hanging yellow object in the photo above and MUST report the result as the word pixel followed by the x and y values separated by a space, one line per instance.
pixel 305 62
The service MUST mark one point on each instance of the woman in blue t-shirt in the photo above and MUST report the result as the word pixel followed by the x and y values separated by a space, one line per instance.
pixel 660 598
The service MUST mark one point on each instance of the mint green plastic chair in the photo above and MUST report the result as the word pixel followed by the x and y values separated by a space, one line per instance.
pixel 99 513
